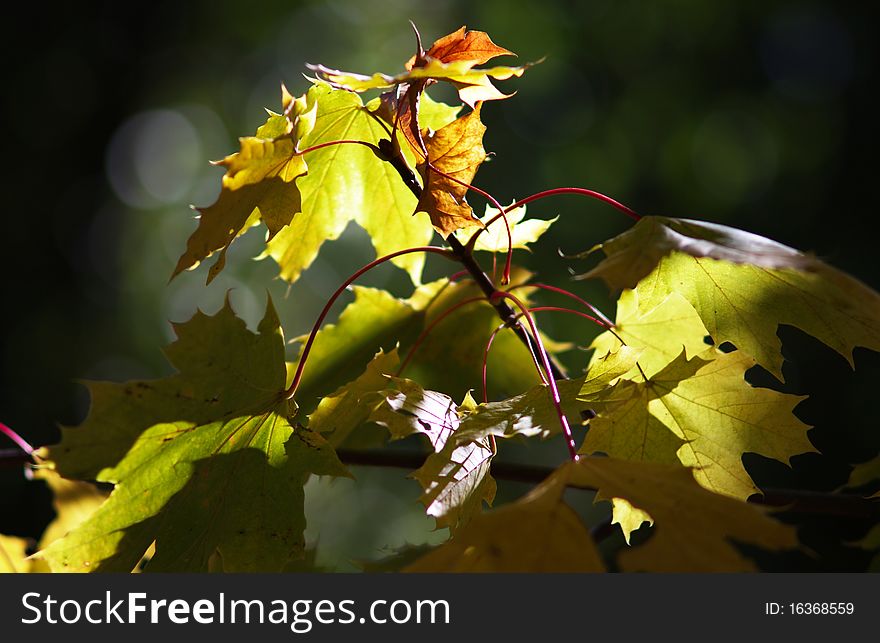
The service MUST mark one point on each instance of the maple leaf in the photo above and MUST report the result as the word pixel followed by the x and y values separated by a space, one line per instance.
pixel 261 179
pixel 522 233
pixel 74 502
pixel 455 478
pixel 864 474
pixel 660 333
pixel 702 413
pixel 348 182
pixel 742 286
pixel 693 527
pixel 538 533
pixel 457 150
pixel 351 405
pixel 205 462
pixel 462 45
pixel 378 321
pixel 13 555
pixel 541 533
pixel 451 58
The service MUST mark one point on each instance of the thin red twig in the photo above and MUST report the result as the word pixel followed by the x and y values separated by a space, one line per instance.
pixel 291 390
pixel 434 323
pixel 554 391
pixel 505 277
pixel 15 437
pixel 540 195
pixel 562 291
pixel 559 309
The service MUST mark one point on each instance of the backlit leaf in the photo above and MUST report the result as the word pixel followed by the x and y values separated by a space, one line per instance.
pixel 213 465
pixel 350 182
pixel 455 478
pixel 474 47
pixel 261 178
pixel 522 233
pixel 350 406
pixel 13 554
pixel 742 286
pixel 694 529
pixel 457 150
pixel 660 332
pixel 702 412
pixel 538 533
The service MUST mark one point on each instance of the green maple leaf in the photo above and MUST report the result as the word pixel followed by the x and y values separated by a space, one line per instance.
pixel 702 413
pixel 660 332
pixel 455 478
pixel 206 463
pixel 377 321
pixel 865 473
pixel 541 533
pixel 260 183
pixel 350 406
pixel 538 533
pixel 348 182
pixel 13 555
pixel 694 528
pixel 742 286
pixel 522 233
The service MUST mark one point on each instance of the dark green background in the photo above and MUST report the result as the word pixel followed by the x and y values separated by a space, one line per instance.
pixel 755 114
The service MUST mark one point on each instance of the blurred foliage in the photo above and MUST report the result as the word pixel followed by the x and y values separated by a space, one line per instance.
pixel 754 114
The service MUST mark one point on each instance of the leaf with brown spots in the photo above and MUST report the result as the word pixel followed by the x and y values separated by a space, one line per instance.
pixel 457 151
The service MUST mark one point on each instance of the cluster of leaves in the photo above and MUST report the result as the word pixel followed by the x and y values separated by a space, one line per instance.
pixel 207 466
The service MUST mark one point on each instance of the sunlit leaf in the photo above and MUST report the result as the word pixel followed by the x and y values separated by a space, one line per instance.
pixel 703 413
pixel 457 151
pixel 349 182
pixel 742 286
pixel 214 465
pixel 455 478
pixel 13 555
pixel 538 533
pixel 350 406
pixel 522 233
pixel 660 332
pixel 261 178
pixel 694 529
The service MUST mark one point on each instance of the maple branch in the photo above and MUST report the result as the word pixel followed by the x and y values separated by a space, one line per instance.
pixel 790 500
pixel 15 437
pixel 554 391
pixel 505 312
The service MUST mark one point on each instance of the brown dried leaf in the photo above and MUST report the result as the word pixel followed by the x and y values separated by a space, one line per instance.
pixel 473 47
pixel 456 150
